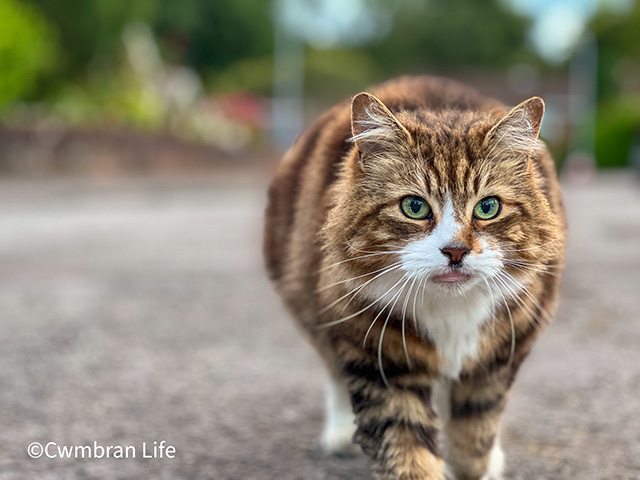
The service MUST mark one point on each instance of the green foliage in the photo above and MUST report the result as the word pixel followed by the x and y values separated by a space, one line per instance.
pixel 27 49
pixel 105 100
pixel 618 123
pixel 253 74
pixel 452 34
pixel 209 36
pixel 90 31
pixel 229 40
pixel 618 120
pixel 618 40
pixel 337 73
pixel 229 43
pixel 213 35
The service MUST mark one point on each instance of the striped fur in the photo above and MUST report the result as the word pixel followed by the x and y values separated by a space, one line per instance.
pixel 428 365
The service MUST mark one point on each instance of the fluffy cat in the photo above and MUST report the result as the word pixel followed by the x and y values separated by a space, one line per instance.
pixel 417 235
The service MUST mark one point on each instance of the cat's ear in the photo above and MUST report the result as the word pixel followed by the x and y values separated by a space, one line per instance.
pixel 519 129
pixel 374 128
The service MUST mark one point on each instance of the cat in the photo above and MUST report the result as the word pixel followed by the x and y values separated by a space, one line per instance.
pixel 417 234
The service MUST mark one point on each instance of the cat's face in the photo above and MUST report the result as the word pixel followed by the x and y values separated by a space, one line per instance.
pixel 446 204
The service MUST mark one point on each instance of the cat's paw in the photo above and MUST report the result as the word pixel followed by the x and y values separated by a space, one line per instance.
pixel 496 464
pixel 338 439
pixel 339 422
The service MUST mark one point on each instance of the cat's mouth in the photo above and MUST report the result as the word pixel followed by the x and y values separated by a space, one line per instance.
pixel 452 277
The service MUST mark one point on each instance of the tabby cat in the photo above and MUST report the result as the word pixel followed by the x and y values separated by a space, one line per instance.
pixel 417 235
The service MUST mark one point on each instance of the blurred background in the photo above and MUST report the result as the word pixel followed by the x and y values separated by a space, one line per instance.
pixel 244 76
pixel 137 139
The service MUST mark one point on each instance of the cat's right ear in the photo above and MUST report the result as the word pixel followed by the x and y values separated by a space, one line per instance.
pixel 374 128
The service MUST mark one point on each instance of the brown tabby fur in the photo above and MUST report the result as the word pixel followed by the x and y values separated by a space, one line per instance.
pixel 335 201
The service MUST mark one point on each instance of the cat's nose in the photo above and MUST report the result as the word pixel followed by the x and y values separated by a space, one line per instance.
pixel 455 254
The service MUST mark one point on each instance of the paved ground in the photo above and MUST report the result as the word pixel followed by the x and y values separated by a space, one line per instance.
pixel 137 311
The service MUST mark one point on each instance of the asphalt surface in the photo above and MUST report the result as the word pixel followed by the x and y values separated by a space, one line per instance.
pixel 137 311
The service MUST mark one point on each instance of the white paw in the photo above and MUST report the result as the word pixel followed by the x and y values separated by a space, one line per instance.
pixel 339 425
pixel 337 439
pixel 496 464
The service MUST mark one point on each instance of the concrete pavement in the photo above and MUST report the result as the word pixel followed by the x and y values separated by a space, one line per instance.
pixel 137 311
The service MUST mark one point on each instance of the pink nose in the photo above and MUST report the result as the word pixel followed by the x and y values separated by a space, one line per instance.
pixel 455 254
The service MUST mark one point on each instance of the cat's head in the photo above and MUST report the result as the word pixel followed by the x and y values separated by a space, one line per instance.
pixel 450 201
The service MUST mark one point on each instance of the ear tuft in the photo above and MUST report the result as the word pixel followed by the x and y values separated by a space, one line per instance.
pixel 519 129
pixel 374 128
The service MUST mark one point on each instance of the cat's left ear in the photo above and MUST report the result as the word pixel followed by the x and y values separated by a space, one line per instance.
pixel 519 128
pixel 374 128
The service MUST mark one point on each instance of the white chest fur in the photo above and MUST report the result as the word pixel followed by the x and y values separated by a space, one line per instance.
pixel 453 325
pixel 451 322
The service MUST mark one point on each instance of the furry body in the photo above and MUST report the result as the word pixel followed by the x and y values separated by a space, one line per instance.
pixel 422 323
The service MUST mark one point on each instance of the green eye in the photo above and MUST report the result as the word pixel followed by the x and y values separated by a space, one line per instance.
pixel 415 208
pixel 487 208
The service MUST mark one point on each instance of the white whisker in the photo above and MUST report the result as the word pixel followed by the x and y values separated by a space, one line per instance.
pixel 536 303
pixel 359 288
pixel 384 327
pixel 371 254
pixel 493 300
pixel 404 313
pixel 513 328
pixel 533 316
pixel 326 287
pixel 364 342
pixel 415 298
pixel 531 248
pixel 540 266
pixel 529 269
pixel 397 248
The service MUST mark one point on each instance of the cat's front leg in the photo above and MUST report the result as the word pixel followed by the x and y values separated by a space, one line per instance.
pixel 397 429
pixel 476 409
pixel 339 424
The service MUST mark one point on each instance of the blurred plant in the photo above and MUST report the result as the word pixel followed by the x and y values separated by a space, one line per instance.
pixel 617 127
pixel 618 120
pixel 230 42
pixel 252 74
pixel 147 94
pixel 342 70
pixel 155 82
pixel 89 33
pixel 453 34
pixel 618 37
pixel 211 36
pixel 27 49
pixel 210 64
